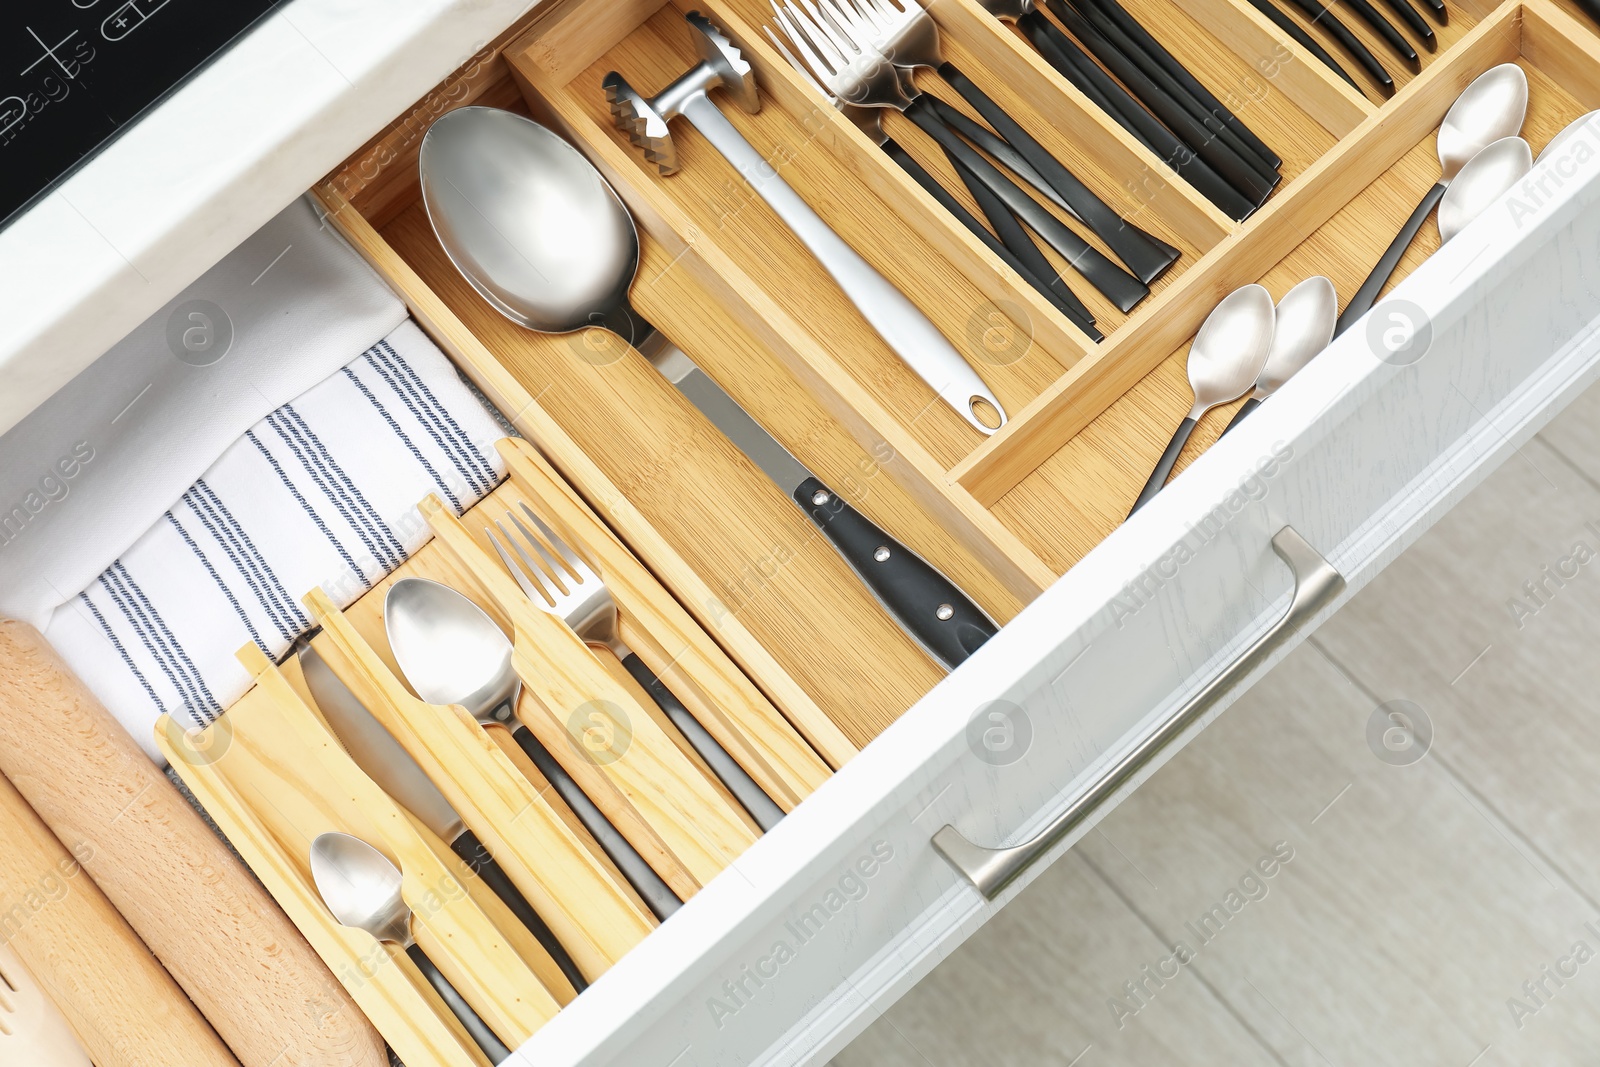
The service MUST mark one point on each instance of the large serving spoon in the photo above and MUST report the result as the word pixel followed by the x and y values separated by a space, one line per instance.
pixel 1481 182
pixel 452 652
pixel 1224 360
pixel 1303 326
pixel 362 887
pixel 537 230
pixel 1491 107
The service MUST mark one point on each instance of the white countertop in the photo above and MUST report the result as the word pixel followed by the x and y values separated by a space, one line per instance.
pixel 195 177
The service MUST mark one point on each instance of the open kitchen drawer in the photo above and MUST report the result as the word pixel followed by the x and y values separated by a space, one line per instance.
pixel 1111 629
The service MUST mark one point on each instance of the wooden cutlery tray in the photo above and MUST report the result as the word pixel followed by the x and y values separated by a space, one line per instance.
pixel 821 669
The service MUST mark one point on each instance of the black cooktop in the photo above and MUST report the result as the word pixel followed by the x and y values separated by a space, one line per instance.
pixel 76 73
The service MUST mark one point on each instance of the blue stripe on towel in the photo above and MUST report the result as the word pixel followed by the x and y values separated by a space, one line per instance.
pixel 294 491
pixel 238 609
pixel 478 471
pixel 347 509
pixel 350 487
pixel 398 432
pixel 127 660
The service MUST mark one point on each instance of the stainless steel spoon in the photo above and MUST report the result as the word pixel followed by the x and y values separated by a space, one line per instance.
pixel 1491 107
pixel 1481 182
pixel 1303 327
pixel 534 227
pixel 451 652
pixel 1568 132
pixel 1224 360
pixel 361 887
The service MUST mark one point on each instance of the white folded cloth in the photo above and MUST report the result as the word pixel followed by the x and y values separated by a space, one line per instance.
pixel 167 506
pixel 322 492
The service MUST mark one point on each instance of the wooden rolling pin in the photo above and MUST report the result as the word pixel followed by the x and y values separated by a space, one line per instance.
pixel 125 1009
pixel 228 945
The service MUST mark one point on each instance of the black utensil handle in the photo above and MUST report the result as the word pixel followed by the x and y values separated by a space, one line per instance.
pixel 1147 260
pixel 1321 16
pixel 1302 38
pixel 1062 53
pixel 1238 416
pixel 1385 29
pixel 1158 477
pixel 475 855
pixel 1116 284
pixel 1154 48
pixel 1367 295
pixel 476 1028
pixel 928 605
pixel 1065 301
pixel 1163 78
pixel 1442 13
pixel 649 885
pixel 743 787
pixel 1018 242
pixel 1239 172
pixel 1414 20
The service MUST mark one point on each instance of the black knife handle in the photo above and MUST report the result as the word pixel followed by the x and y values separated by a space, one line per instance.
pixel 1442 13
pixel 1116 284
pixel 476 1028
pixel 1302 38
pixel 1064 299
pixel 1017 241
pixel 1163 471
pixel 1239 172
pixel 1163 78
pixel 1385 29
pixel 475 855
pixel 1414 20
pixel 1144 257
pixel 649 885
pixel 1367 295
pixel 1321 16
pixel 743 787
pixel 1238 416
pixel 928 605
pixel 1062 53
pixel 1192 85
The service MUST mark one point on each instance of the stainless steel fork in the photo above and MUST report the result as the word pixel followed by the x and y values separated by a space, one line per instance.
pixel 563 585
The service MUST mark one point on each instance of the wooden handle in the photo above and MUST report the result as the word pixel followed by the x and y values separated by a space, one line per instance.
pixel 126 1010
pixel 201 913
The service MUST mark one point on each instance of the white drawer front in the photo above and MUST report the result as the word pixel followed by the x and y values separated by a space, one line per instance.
pixel 828 918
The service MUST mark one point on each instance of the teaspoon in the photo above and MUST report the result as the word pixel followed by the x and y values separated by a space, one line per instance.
pixel 1303 327
pixel 1224 360
pixel 1481 182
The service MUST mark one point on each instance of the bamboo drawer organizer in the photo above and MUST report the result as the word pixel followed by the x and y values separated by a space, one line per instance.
pixel 790 661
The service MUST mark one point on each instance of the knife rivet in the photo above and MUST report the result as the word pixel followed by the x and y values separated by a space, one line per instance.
pixel 945 612
pixel 882 554
pixel 819 498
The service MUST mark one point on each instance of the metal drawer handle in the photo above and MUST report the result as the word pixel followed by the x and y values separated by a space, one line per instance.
pixel 992 869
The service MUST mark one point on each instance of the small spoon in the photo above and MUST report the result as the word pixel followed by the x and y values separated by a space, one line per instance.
pixel 1226 357
pixel 1568 132
pixel 362 888
pixel 451 652
pixel 1304 326
pixel 1491 107
pixel 1481 182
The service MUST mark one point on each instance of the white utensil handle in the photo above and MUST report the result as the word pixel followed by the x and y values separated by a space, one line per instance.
pixel 897 319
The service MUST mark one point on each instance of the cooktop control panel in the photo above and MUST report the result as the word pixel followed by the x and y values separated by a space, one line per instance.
pixel 76 73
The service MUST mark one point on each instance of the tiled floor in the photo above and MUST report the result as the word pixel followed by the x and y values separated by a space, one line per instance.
pixel 1439 910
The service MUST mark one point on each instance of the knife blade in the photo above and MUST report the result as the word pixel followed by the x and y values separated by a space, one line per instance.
pixel 375 750
pixel 929 606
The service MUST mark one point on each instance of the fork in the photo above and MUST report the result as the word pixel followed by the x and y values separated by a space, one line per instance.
pixel 1017 250
pixel 838 54
pixel 903 33
pixel 573 592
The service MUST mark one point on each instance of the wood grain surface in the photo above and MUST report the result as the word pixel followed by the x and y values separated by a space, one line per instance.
pixel 125 1008
pixel 231 949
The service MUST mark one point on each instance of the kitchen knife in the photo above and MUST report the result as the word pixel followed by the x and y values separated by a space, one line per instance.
pixel 382 759
pixel 930 606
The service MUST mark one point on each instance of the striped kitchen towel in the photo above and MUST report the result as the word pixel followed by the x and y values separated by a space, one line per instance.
pixel 321 492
